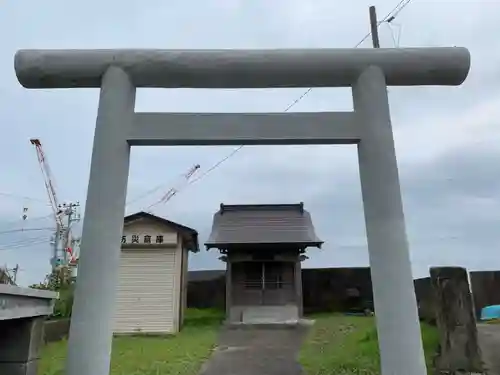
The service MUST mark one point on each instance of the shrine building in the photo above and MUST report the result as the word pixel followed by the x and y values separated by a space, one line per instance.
pixel 263 246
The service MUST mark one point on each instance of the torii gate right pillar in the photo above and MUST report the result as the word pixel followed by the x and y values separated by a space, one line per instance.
pixel 398 327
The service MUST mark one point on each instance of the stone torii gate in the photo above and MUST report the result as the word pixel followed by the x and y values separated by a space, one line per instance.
pixel 119 72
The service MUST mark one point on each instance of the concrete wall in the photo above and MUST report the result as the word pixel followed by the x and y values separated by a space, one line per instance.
pixel 336 289
pixel 55 330
pixel 324 289
pixel 425 300
pixel 207 283
pixel 22 315
pixel 485 289
pixel 331 289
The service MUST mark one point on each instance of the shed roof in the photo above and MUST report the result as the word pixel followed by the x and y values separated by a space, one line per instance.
pixel 189 234
pixel 263 224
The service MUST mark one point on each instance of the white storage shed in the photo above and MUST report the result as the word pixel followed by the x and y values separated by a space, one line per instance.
pixel 151 296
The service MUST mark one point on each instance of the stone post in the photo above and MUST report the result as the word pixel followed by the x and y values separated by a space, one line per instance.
pixel 20 342
pixel 459 345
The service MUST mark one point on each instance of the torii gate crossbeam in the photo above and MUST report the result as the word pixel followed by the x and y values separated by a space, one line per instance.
pixel 367 71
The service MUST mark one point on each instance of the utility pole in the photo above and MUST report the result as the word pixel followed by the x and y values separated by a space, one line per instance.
pixel 55 247
pixel 14 276
pixel 374 27
pixel 67 235
pixel 72 216
pixel 62 236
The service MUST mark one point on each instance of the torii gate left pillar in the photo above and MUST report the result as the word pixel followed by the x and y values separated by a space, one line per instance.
pixel 367 71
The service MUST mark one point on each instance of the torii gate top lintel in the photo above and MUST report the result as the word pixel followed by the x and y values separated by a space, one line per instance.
pixel 36 69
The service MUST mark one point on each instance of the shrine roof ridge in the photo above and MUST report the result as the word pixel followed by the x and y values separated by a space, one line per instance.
pixel 262 207
pixel 262 224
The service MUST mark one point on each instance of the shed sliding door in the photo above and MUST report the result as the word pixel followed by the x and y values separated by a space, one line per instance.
pixel 146 292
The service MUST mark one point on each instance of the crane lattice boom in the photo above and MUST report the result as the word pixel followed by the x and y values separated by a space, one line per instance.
pixel 48 179
pixel 174 190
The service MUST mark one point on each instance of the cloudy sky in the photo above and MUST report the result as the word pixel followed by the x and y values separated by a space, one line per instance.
pixel 446 137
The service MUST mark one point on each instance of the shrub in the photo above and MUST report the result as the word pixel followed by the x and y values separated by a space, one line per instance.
pixel 60 281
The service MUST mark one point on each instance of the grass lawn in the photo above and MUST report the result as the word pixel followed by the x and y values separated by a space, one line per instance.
pixel 181 354
pixel 347 345
pixel 492 321
pixel 337 345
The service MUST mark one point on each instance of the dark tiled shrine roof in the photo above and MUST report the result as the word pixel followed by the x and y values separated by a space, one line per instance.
pixel 262 224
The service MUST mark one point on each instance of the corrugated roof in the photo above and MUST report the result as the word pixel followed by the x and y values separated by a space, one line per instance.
pixel 262 224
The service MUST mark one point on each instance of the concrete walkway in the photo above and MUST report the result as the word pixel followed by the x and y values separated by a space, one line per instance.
pixel 257 351
pixel 489 339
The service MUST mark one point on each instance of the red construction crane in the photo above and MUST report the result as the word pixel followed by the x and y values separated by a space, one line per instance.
pixel 48 180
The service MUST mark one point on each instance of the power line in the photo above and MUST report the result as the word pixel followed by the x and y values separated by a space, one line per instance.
pixel 22 241
pixel 232 153
pixel 147 193
pixel 216 165
pixel 24 230
pixel 394 13
pixel 35 241
pixel 23 197
pixel 389 17
pixel 40 242
pixel 184 178
pixel 28 220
